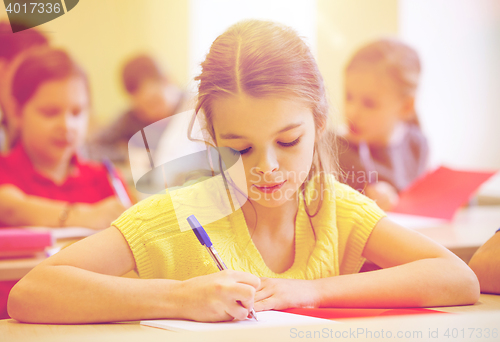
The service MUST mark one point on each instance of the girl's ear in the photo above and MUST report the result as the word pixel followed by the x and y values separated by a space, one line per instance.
pixel 17 111
pixel 408 109
pixel 3 68
pixel 321 127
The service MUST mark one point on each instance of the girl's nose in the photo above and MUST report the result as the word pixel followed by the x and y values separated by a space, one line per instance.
pixel 267 162
pixel 70 121
pixel 351 110
pixel 62 121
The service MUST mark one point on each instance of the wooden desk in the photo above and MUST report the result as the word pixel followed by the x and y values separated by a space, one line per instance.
pixel 481 316
pixel 16 268
pixel 470 229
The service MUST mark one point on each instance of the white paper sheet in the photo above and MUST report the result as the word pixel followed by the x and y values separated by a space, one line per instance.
pixel 415 222
pixel 266 319
pixel 66 232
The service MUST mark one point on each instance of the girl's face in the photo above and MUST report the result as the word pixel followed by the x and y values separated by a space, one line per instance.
pixel 275 138
pixel 54 120
pixel 373 105
pixel 155 100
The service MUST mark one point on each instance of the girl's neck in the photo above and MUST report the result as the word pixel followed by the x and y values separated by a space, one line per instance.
pixel 57 171
pixel 394 138
pixel 270 219
pixel 398 134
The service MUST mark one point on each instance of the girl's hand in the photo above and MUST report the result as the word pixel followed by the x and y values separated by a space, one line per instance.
pixel 96 216
pixel 220 296
pixel 280 294
pixel 384 194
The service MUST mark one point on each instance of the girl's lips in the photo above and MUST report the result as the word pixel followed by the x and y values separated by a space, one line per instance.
pixel 269 188
pixel 61 143
pixel 354 129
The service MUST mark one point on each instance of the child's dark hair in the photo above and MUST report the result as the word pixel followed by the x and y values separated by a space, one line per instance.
pixel 13 44
pixel 139 69
pixel 40 66
pixel 266 59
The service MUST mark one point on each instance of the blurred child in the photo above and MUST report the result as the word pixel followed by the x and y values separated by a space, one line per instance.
pixel 12 47
pixel 153 97
pixel 384 149
pixel 486 264
pixel 297 241
pixel 43 182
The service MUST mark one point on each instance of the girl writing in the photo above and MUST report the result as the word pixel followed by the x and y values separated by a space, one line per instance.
pixel 261 94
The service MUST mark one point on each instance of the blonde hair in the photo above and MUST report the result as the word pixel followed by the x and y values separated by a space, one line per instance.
pixel 260 59
pixel 397 59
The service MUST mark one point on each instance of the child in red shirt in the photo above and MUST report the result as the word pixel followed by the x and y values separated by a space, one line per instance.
pixel 42 180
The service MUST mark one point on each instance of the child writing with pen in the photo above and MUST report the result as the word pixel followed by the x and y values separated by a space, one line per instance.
pixel 384 149
pixel 298 241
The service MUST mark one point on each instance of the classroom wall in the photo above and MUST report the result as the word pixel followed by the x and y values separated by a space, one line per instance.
pixel 101 34
pixel 301 15
pixel 458 102
pixel 344 26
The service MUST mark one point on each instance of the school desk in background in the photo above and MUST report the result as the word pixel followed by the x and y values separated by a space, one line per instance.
pixel 440 193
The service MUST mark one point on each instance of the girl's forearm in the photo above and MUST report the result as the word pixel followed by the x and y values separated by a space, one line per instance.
pixel 19 209
pixel 422 283
pixel 66 294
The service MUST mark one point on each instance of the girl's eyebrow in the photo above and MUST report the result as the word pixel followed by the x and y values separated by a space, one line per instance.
pixel 287 128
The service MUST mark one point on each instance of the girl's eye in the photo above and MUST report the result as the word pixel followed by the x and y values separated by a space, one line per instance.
pixel 49 112
pixel 290 144
pixel 245 150
pixel 77 111
pixel 369 103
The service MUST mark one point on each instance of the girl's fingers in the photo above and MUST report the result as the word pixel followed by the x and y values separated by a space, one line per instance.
pixel 263 283
pixel 237 311
pixel 265 304
pixel 265 289
pixel 263 294
pixel 225 317
pixel 248 304
pixel 241 292
pixel 247 278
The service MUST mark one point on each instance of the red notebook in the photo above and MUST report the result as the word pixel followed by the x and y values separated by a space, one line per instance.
pixel 341 313
pixel 21 241
pixel 440 193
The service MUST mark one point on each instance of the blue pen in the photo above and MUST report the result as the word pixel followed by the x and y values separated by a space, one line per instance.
pixel 204 239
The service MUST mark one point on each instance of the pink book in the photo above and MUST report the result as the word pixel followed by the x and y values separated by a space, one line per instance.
pixel 21 241
pixel 440 193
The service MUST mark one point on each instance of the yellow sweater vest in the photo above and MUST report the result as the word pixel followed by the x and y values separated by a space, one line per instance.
pixel 335 247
